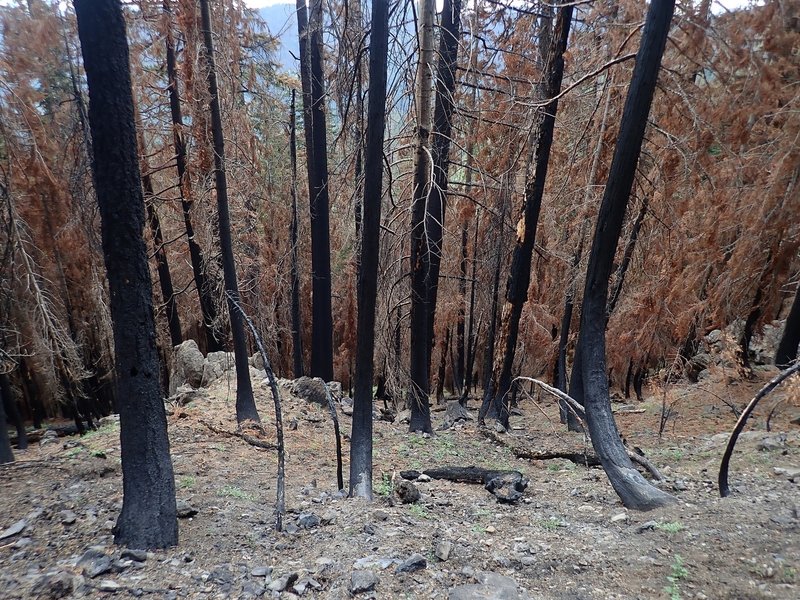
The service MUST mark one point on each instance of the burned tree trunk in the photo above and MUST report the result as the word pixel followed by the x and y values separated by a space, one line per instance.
pixel 148 517
pixel 245 403
pixel 6 454
pixel 309 29
pixel 787 347
pixel 361 443
pixel 632 488
pixel 12 412
pixel 519 278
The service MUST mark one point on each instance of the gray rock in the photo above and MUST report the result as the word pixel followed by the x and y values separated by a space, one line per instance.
pixel 415 562
pixel 107 585
pixel 791 473
pixel 646 526
pixel 260 571
pixel 381 515
pixel 187 366
pixel 131 554
pixel 221 574
pixel 363 581
pixel 282 583
pixel 68 517
pixel 308 521
pixel 329 517
pixel 492 586
pixel 14 529
pixel 215 366
pixel 407 492
pixel 291 528
pixel 94 562
pixel 771 442
pixel 455 413
pixel 53 586
pixel 118 566
pixel 443 550
pixel 311 389
pixel 186 395
pixel 304 583
pixel 404 416
pixel 251 589
pixel 185 510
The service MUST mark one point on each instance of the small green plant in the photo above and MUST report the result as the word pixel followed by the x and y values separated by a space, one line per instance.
pixel 234 492
pixel 669 527
pixel 550 524
pixel 787 575
pixel 418 511
pixel 384 486
pixel 187 481
pixel 73 452
pixel 677 574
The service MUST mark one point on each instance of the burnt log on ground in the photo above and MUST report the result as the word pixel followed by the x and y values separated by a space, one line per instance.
pixel 506 486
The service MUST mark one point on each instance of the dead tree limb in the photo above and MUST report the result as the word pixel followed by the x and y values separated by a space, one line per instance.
pixel 336 432
pixel 724 490
pixel 250 439
pixel 280 505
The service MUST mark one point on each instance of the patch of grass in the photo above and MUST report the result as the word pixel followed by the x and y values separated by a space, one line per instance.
pixel 187 481
pixel 550 524
pixel 419 511
pixel 675 454
pixel 670 527
pixel 384 486
pixel 73 452
pixel 234 492
pixel 102 430
pixel 678 572
pixel 478 529
pixel 787 575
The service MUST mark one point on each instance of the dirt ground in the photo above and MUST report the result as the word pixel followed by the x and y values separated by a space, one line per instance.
pixel 568 538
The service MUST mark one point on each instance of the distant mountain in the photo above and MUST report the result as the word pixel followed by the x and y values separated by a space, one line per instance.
pixel 281 19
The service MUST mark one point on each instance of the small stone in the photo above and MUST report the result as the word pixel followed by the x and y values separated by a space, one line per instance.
pixel 381 515
pixel 120 565
pixel 68 517
pixel 137 555
pixel 304 583
pixel 443 550
pixel 423 478
pixel 407 492
pixel 260 571
pixel 16 528
pixel 291 528
pixel 282 583
pixel 328 517
pixel 53 586
pixel 772 442
pixel 185 510
pixel 491 529
pixel 369 529
pixel 107 585
pixel 415 562
pixel 619 517
pixel 680 485
pixel 94 562
pixel 791 473
pixel 251 589
pixel 23 542
pixel 362 581
pixel 308 521
pixel 646 526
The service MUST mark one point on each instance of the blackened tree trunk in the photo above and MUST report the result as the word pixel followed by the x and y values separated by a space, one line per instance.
pixel 361 442
pixel 6 454
pixel 208 309
pixel 297 321
pixel 245 403
pixel 458 365
pixel 787 347
pixel 148 517
pixel 471 332
pixel 420 346
pixel 627 255
pixel 520 275
pixel 12 412
pixel 629 484
pixel 309 29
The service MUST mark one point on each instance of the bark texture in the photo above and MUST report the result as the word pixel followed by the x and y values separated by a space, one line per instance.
pixel 148 517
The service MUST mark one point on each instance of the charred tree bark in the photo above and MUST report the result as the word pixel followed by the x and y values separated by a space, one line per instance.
pixel 297 322
pixel 471 333
pixel 309 29
pixel 6 453
pixel 245 403
pixel 361 442
pixel 626 257
pixel 787 347
pixel 420 347
pixel 148 517
pixel 12 412
pixel 208 309
pixel 632 488
pixel 520 275
pixel 459 363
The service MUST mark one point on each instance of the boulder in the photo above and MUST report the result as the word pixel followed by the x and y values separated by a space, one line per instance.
pixel 311 389
pixel 216 365
pixel 187 367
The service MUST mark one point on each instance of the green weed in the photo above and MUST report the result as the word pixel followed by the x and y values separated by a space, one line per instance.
pixel 677 574
pixel 670 527
pixel 234 492
pixel 187 481
pixel 384 486
pixel 418 511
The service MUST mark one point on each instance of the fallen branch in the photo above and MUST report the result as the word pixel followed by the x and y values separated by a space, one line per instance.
pixel 724 490
pixel 337 434
pixel 507 486
pixel 250 439
pixel 280 504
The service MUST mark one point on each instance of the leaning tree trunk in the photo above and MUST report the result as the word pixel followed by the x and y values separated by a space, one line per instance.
pixel 309 29
pixel 245 403
pixel 361 442
pixel 297 321
pixel 787 347
pixel 520 276
pixel 148 517
pixel 419 351
pixel 208 310
pixel 629 484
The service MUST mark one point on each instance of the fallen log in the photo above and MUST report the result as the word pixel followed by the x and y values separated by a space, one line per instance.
pixel 506 486
pixel 250 439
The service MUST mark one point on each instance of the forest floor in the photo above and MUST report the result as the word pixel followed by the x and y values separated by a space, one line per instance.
pixel 569 537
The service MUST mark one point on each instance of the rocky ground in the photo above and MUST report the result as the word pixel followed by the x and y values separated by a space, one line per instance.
pixel 569 536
